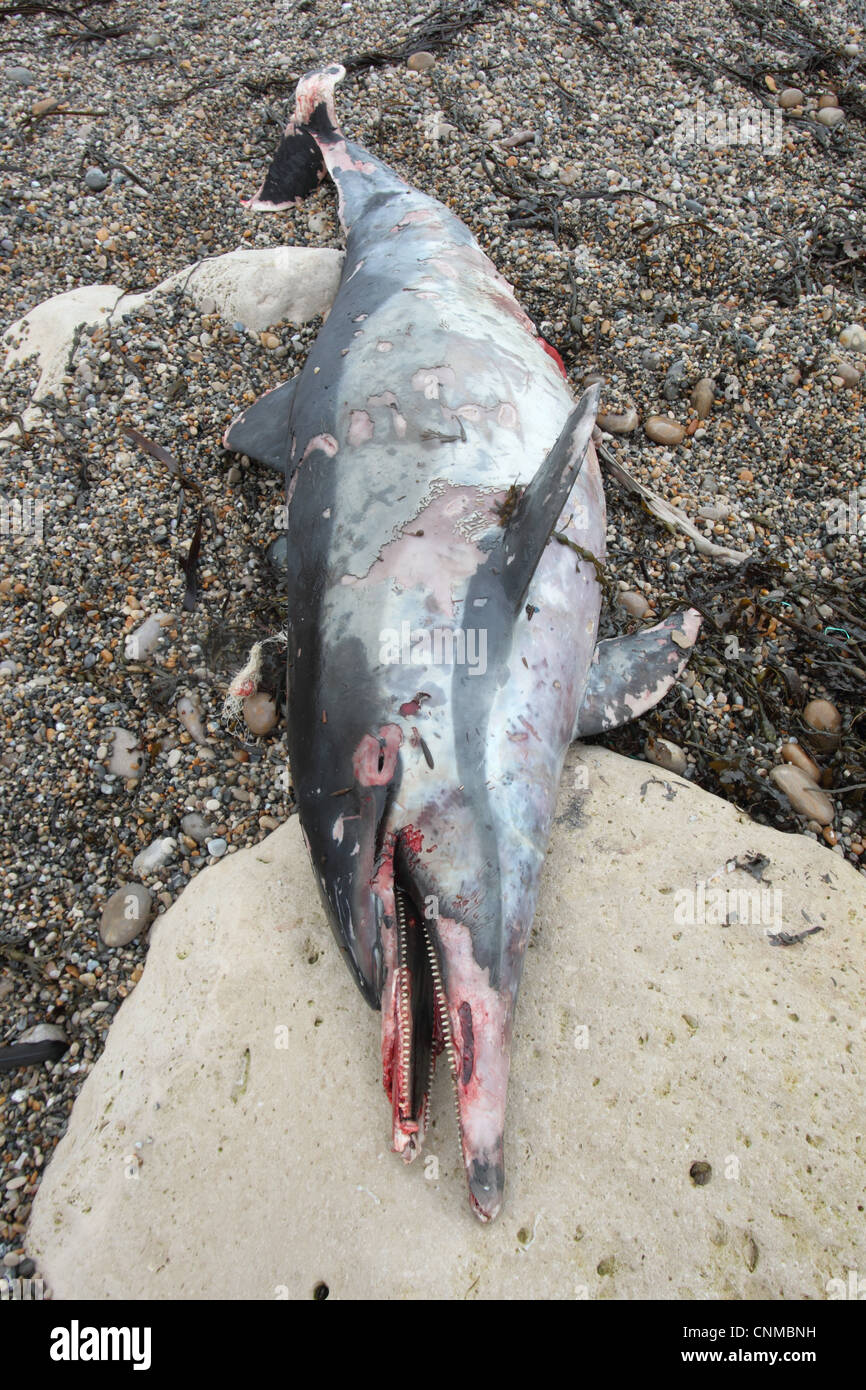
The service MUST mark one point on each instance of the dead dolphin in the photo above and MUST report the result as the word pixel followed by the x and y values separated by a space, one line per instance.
pixel 441 652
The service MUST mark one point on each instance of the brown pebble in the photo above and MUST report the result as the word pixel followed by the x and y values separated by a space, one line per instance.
pixel 260 713
pixel 270 340
pixel 849 374
pixel 421 61
pixel 821 715
pixel 661 429
pixel 792 96
pixel 830 116
pixel 619 424
pixel 830 835
pixel 805 798
pixel 828 101
pixel 793 753
pixel 41 108
pixel 703 396
pixel 746 475
pixel 635 604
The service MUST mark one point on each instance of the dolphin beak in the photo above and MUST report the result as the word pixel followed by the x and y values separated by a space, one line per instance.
pixel 438 1000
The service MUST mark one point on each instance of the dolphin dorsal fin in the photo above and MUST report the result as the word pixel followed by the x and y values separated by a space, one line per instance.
pixel 541 505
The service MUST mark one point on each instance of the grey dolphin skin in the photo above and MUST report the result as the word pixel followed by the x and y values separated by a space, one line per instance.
pixel 441 653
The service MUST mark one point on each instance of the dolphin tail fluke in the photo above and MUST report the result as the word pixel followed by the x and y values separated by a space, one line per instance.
pixel 298 167
pixel 629 675
pixel 262 432
pixel 541 505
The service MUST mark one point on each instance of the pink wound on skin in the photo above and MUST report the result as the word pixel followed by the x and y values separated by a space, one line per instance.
pixel 375 758
pixel 326 442
pixel 429 379
pixel 361 427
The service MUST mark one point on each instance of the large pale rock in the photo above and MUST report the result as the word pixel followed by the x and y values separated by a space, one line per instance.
pixel 648 1041
pixel 256 287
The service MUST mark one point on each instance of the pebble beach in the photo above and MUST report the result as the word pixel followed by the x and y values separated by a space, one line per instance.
pixel 677 194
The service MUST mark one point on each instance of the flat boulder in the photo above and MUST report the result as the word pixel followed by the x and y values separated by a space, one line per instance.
pixel 686 1097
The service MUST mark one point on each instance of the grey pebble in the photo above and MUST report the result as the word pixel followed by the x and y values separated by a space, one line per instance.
pixel 127 912
pixel 217 848
pixel 21 77
pixel 195 826
pixel 95 179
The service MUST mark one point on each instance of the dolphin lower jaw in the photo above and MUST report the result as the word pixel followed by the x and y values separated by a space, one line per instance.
pixel 436 1000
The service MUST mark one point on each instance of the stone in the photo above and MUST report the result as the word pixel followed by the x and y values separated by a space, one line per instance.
pixel 848 374
pixel 126 758
pixel 792 96
pixel 830 116
pixel 793 753
pixel 828 101
pixel 805 798
pixel 195 826
pixel 420 62
pixel 155 856
pixel 255 287
pixel 260 713
pixel 189 714
pixel 127 912
pixel 622 423
pixel 635 604
pixel 703 396
pixel 216 848
pixel 854 337
pixel 144 641
pixel 42 1032
pixel 822 715
pixel 246 1054
pixel 666 754
pixel 661 429
pixel 96 180
pixel 19 76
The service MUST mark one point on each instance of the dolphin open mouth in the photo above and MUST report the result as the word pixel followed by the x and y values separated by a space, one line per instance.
pixel 417 1030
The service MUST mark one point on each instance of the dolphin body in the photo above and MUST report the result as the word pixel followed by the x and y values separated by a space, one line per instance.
pixel 442 648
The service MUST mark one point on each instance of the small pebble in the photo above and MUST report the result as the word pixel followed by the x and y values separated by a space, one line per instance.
pixel 260 713
pixel 619 424
pixel 634 603
pixel 792 96
pixel 217 848
pixel 666 754
pixel 421 61
pixel 830 116
pixel 662 430
pixel 155 856
pixel 804 796
pixel 127 912
pixel 96 180
pixel 821 715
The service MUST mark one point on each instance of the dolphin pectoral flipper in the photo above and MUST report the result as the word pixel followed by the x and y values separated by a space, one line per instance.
pixel 262 432
pixel 629 675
